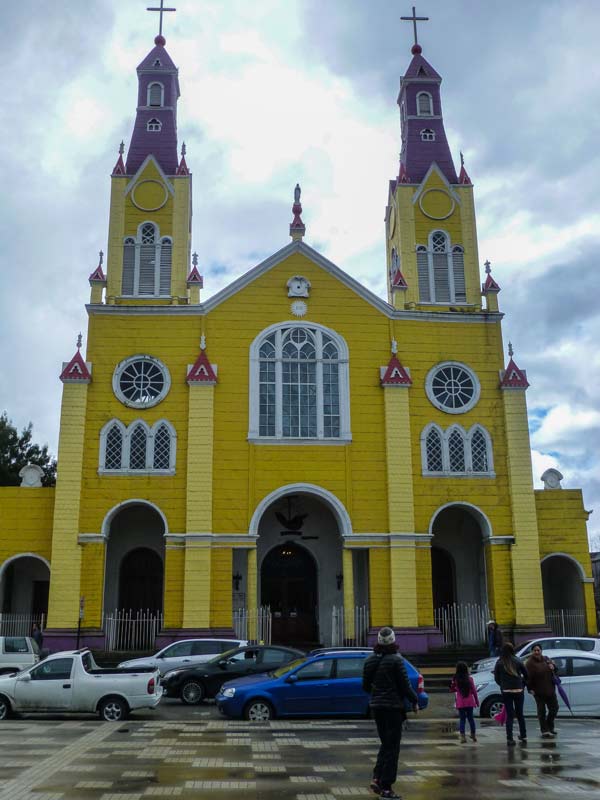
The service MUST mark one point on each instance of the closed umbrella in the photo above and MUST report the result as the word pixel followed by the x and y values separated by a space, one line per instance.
pixel 563 695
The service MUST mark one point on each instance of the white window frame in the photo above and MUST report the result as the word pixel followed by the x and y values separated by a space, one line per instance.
pixel 432 398
pixel 430 98
pixel 467 437
pixel 428 135
pixel 126 432
pixel 451 249
pixel 254 394
pixel 158 243
pixel 122 365
pixel 154 122
pixel 162 94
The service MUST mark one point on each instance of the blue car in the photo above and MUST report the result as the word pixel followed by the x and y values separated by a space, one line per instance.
pixel 328 684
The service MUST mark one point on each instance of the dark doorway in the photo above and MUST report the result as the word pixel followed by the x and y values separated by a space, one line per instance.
pixel 141 581
pixel 442 578
pixel 39 603
pixel 289 588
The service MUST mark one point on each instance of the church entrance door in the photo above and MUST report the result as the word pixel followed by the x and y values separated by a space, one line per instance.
pixel 289 588
pixel 141 581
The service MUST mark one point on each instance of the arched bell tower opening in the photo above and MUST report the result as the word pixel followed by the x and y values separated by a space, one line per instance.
pixel 134 575
pixel 564 601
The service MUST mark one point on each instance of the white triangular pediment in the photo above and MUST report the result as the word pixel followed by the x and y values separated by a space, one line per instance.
pixel 435 169
pixel 149 159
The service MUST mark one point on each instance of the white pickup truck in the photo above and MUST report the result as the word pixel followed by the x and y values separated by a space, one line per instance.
pixel 73 682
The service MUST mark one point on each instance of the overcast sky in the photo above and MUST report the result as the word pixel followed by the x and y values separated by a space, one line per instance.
pixel 279 91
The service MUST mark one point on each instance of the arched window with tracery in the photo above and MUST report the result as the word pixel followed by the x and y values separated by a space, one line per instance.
pixel 299 384
pixel 138 445
pixel 441 270
pixel 162 447
pixel 456 451
pixel 480 451
pixel 147 261
pixel 434 459
pixel 113 447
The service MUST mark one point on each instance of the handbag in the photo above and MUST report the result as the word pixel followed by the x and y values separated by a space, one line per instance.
pixel 500 717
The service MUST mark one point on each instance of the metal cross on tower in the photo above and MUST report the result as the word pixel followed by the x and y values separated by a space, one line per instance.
pixel 414 19
pixel 162 10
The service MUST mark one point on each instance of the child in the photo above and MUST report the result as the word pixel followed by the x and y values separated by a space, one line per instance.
pixel 466 699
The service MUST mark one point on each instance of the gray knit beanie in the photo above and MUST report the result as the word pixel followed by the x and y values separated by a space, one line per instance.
pixel 386 636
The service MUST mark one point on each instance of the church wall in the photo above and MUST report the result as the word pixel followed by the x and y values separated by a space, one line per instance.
pixel 25 521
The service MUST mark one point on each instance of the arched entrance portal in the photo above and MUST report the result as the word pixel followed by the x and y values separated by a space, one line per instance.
pixel 563 595
pixel 289 588
pixel 458 574
pixel 24 584
pixel 134 575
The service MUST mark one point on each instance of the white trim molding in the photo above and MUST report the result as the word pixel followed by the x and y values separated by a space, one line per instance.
pixel 335 505
pixel 569 558
pixel 484 523
pixel 134 501
pixel 127 362
pixel 10 559
pixel 429 388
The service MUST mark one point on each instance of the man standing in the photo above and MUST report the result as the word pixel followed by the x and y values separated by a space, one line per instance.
pixel 37 635
pixel 495 638
pixel 386 680
pixel 540 682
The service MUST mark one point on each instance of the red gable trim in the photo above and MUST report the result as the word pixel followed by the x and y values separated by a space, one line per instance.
pixel 76 371
pixel 97 275
pixel 395 374
pixel 513 377
pixel 464 177
pixel 182 169
pixel 399 281
pixel 490 285
pixel 119 168
pixel 201 371
pixel 195 278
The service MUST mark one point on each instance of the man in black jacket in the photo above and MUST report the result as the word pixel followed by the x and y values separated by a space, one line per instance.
pixel 386 680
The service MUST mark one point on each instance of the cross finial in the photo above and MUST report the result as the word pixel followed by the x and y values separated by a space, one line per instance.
pixel 121 148
pixel 100 258
pixel 161 11
pixel 79 341
pixel 511 352
pixel 414 19
pixel 462 159
pixel 183 149
pixel 194 259
pixel 488 267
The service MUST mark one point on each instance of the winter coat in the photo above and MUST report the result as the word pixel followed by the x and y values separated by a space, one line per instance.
pixel 505 680
pixel 471 700
pixel 386 680
pixel 539 680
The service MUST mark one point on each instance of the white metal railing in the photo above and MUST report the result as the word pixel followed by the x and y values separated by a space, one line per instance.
pixel 131 630
pixel 20 624
pixel 566 621
pixel 349 630
pixel 254 624
pixel 462 623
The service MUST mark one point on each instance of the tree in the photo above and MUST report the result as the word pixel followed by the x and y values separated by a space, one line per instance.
pixel 17 450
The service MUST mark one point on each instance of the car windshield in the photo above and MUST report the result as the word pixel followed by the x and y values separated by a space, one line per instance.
pixel 277 673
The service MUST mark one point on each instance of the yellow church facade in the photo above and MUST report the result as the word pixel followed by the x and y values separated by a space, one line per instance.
pixel 294 447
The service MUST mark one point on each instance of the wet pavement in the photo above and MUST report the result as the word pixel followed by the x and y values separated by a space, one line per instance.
pixel 192 753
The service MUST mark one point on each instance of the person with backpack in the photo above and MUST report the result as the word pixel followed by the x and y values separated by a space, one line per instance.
pixel 465 693
pixel 511 676
pixel 386 680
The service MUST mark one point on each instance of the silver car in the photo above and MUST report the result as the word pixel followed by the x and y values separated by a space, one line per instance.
pixel 17 653
pixel 184 653
pixel 587 644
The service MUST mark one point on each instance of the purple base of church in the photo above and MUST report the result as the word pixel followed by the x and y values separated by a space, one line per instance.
pixel 57 639
pixel 412 640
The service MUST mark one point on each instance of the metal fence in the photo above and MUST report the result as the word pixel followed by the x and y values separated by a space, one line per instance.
pixel 349 629
pixel 463 623
pixel 20 624
pixel 566 621
pixel 132 630
pixel 254 624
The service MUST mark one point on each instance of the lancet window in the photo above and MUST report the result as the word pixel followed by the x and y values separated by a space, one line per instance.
pixel 147 263
pixel 456 451
pixel 137 448
pixel 441 270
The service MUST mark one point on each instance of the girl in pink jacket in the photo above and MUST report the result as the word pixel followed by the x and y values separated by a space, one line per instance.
pixel 464 689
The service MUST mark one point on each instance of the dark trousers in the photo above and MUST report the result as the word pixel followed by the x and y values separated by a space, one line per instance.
pixel 464 715
pixel 551 704
pixel 389 728
pixel 513 702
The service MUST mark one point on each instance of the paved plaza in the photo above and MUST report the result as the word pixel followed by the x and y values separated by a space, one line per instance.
pixel 191 753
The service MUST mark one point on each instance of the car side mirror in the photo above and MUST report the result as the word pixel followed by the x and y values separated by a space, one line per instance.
pixel 292 678
pixel 223 663
pixel 25 678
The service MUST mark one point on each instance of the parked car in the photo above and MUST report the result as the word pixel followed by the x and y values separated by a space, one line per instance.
pixel 579 672
pixel 72 682
pixel 186 652
pixel 17 652
pixel 587 644
pixel 196 684
pixel 327 684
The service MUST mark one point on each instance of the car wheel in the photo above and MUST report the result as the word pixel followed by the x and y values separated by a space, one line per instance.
pixel 113 709
pixel 192 693
pixel 492 706
pixel 5 708
pixel 259 711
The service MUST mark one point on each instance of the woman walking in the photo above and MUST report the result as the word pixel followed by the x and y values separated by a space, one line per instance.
pixel 465 693
pixel 540 682
pixel 511 676
pixel 386 680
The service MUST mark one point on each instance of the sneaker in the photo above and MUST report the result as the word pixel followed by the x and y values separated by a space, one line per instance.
pixel 547 735
pixel 553 733
pixel 473 737
pixel 374 786
pixel 463 739
pixel 523 739
pixel 510 743
pixel 390 793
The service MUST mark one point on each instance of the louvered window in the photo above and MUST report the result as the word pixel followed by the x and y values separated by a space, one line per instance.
pixel 423 271
pixel 113 448
pixel 162 448
pixel 479 452
pixel 128 266
pixel 155 94
pixel 166 250
pixel 456 452
pixel 424 104
pixel 137 448
pixel 435 462
pixel 458 273
pixel 147 260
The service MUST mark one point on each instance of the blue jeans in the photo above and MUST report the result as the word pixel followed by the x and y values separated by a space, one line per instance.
pixel 513 702
pixel 466 714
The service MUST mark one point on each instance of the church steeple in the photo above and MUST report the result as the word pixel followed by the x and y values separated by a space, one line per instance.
pixel 155 129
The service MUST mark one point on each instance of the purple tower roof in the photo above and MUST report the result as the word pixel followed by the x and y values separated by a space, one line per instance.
pixel 155 129
pixel 423 136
